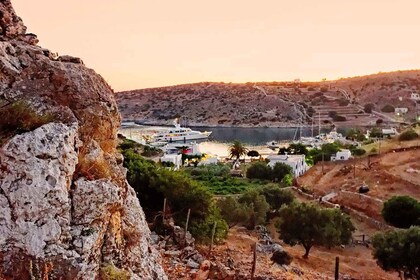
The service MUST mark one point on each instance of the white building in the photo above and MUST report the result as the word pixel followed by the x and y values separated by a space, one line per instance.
pixel 415 96
pixel 296 162
pixel 176 159
pixel 389 131
pixel 344 154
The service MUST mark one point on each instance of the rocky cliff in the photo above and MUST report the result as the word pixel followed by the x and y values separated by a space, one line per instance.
pixel 66 210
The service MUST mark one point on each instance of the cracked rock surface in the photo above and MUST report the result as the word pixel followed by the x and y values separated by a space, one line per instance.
pixel 66 210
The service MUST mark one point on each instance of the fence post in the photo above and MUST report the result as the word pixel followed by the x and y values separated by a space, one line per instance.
pixel 186 227
pixel 212 237
pixel 164 210
pixel 254 261
pixel 337 267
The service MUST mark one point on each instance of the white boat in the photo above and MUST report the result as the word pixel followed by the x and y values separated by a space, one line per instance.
pixel 322 138
pixel 178 133
pixel 128 124
pixel 158 144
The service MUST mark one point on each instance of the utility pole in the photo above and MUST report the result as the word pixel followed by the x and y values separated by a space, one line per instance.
pixel 354 170
pixel 322 153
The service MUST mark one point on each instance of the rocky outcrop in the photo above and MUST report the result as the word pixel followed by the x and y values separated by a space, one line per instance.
pixel 66 210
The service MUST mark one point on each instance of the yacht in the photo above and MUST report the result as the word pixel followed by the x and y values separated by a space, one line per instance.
pixel 178 133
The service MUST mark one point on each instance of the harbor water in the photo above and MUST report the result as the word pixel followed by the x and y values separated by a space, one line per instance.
pixel 254 138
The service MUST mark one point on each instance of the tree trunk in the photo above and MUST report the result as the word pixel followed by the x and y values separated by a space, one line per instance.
pixel 307 248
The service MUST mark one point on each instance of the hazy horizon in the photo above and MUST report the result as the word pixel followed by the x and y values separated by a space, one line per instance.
pixel 143 44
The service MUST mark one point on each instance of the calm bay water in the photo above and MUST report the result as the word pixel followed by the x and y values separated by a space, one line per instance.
pixel 221 137
pixel 257 135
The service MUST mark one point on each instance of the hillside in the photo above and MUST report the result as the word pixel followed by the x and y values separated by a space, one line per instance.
pixel 275 103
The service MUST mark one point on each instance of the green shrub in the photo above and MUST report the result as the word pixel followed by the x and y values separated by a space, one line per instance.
pixel 256 201
pixel 259 170
pixel 281 257
pixel 152 184
pixel 233 212
pixel 398 250
pixel 401 211
pixel 368 108
pixel 339 118
pixel 358 152
pixel 332 114
pixel 276 197
pixel 279 171
pixel 202 229
pixel 408 135
pixel 388 109
pixel 110 272
pixel 287 180
pixel 343 102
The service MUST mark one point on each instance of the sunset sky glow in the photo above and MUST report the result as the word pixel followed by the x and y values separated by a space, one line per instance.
pixel 137 43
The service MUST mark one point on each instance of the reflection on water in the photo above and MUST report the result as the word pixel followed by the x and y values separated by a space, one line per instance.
pixel 222 149
pixel 257 135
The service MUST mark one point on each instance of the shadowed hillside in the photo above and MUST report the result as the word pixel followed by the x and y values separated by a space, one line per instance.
pixel 276 103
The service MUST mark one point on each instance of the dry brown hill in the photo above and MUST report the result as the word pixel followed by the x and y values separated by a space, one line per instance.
pixel 276 103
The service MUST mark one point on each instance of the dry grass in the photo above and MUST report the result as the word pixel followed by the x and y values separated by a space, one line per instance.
pixel 19 117
pixel 109 146
pixel 389 145
pixel 131 237
pixel 93 169
pixel 110 272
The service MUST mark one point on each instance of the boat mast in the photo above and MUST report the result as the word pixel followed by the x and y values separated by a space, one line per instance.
pixel 319 123
pixel 300 129
pixel 312 126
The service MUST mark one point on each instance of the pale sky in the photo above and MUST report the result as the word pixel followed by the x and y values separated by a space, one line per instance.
pixel 148 43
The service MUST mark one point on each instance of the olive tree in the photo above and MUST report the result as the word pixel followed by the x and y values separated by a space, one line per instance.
pixel 308 225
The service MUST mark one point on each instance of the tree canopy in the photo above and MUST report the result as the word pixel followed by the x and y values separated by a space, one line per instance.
pixel 232 211
pixel 308 225
pixel 237 149
pixel 253 153
pixel 277 197
pixel 401 211
pixel 261 170
pixel 280 170
pixel 408 135
pixel 256 201
pixel 295 148
pixel 326 149
pixel 398 250
pixel 153 183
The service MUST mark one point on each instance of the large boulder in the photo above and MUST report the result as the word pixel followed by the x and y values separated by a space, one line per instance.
pixel 67 211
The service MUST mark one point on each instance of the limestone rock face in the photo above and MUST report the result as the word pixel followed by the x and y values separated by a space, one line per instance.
pixel 66 210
